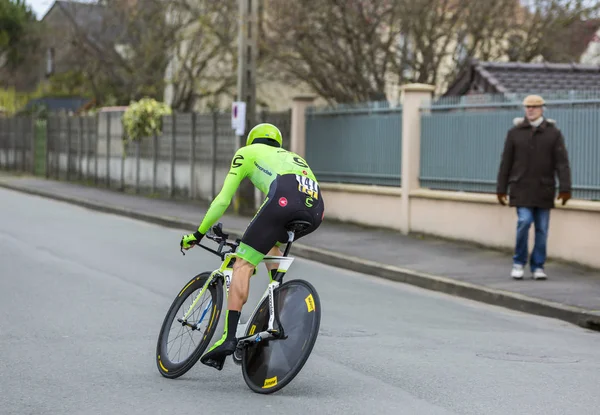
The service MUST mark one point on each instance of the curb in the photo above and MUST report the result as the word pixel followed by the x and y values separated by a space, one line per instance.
pixel 579 316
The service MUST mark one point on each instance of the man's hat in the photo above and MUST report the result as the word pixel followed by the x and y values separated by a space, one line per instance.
pixel 533 101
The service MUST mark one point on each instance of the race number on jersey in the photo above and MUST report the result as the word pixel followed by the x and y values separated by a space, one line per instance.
pixel 308 186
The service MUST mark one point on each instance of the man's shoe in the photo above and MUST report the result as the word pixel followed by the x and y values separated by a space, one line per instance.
pixel 517 272
pixel 539 274
pixel 216 355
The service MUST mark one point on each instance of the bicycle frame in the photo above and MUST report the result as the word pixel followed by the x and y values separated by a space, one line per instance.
pixel 284 264
pixel 225 272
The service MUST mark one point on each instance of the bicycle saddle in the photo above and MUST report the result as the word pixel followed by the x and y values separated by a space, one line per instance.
pixel 297 225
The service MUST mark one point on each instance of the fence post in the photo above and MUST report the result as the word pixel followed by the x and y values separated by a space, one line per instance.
pixel 413 95
pixel 19 145
pixel 47 172
pixel 298 133
pixel 154 161
pixel 13 151
pixel 108 139
pixel 88 146
pixel 2 140
pixel 2 149
pixel 1 143
pixel 192 193
pixel 79 148
pixel 173 132
pixel 23 140
pixel 15 143
pixel 58 147
pixel 33 152
pixel 11 145
pixel 96 135
pixel 6 141
pixel 215 134
pixel 69 118
pixel 137 166
pixel 123 156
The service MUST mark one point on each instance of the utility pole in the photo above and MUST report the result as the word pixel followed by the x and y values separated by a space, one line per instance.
pixel 247 54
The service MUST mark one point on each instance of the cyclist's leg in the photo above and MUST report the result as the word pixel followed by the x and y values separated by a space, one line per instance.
pixel 272 267
pixel 262 234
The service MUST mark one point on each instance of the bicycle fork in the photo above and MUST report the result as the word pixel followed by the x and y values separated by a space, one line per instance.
pixel 270 333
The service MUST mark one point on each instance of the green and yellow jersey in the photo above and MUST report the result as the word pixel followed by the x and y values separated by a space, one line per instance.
pixel 262 164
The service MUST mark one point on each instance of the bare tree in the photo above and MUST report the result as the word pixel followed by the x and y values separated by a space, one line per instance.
pixel 121 47
pixel 204 52
pixel 340 48
pixel 347 50
pixel 555 29
pixel 140 48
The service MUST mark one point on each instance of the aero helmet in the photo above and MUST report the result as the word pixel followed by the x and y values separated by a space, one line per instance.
pixel 265 134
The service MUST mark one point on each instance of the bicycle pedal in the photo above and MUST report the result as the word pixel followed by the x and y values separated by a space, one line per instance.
pixel 237 356
pixel 217 364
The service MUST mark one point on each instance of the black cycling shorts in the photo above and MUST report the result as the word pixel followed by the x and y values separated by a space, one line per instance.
pixel 291 197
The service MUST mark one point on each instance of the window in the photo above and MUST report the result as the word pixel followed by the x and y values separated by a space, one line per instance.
pixel 49 61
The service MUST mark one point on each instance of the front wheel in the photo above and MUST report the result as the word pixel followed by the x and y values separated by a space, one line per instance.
pixel 270 365
pixel 182 342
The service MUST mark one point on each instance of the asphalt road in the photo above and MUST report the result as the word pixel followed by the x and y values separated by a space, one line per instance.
pixel 83 295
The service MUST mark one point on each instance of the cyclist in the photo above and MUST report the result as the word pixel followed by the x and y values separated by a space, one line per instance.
pixel 292 192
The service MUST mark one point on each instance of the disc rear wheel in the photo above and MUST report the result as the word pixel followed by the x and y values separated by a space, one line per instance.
pixel 270 365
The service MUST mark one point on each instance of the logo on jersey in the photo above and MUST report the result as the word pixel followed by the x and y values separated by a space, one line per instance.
pixel 236 161
pixel 309 202
pixel 283 202
pixel 300 162
pixel 263 169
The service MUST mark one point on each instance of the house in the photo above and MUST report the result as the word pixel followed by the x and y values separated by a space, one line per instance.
pixel 68 22
pixel 591 54
pixel 578 42
pixel 517 77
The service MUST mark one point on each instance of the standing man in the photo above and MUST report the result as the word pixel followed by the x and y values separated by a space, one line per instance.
pixel 534 152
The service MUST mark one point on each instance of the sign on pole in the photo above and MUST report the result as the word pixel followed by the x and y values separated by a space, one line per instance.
pixel 238 117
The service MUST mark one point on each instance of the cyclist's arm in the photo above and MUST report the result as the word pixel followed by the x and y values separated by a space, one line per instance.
pixel 217 208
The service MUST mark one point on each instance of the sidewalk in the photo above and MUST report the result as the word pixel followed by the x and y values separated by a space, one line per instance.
pixel 571 293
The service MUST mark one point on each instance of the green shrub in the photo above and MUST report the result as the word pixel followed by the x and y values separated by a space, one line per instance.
pixel 144 119
pixel 12 101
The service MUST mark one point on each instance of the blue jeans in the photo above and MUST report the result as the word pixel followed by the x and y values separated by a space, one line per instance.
pixel 541 219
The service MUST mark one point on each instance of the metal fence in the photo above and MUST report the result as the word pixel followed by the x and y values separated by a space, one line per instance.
pixel 189 159
pixel 67 147
pixel 17 143
pixel 461 146
pixel 462 143
pixel 360 145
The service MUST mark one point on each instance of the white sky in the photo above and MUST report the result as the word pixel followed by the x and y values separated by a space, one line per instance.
pixel 40 7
